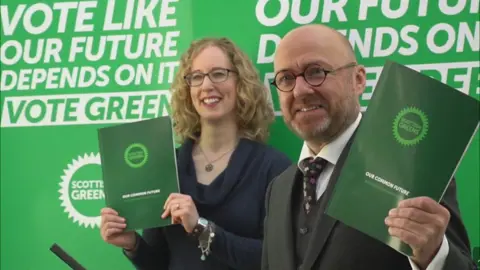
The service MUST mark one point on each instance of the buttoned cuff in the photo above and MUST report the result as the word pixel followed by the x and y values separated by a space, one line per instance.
pixel 439 260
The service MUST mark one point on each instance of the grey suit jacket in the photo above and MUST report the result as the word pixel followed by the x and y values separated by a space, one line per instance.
pixel 337 246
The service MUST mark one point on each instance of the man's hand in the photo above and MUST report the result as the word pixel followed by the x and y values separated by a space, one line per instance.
pixel 421 223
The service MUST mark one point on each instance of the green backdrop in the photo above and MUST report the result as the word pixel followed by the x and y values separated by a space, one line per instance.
pixel 69 68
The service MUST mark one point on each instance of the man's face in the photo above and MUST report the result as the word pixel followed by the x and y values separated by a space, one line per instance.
pixel 316 112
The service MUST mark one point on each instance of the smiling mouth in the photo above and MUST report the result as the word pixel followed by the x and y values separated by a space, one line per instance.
pixel 310 108
pixel 211 100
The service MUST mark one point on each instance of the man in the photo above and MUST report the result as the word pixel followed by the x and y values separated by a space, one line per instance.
pixel 319 83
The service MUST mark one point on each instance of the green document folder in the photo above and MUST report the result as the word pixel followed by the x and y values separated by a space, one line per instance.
pixel 139 169
pixel 409 143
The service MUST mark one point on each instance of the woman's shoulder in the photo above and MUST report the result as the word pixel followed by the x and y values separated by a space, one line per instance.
pixel 185 148
pixel 269 160
pixel 271 154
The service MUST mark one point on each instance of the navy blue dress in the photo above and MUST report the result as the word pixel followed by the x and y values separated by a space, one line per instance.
pixel 234 201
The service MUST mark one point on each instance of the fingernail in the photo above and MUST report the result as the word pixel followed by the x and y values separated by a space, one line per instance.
pixel 392 211
pixel 387 220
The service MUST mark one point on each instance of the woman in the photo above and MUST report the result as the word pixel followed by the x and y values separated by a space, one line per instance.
pixel 222 116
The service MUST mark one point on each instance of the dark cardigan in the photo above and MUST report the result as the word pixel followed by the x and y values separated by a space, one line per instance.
pixel 234 201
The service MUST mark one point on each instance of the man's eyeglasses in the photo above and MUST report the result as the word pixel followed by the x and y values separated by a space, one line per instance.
pixel 216 75
pixel 314 75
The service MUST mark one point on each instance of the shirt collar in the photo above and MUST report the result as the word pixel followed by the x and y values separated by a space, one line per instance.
pixel 331 152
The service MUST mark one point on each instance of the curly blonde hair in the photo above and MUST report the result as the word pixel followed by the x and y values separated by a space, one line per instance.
pixel 253 110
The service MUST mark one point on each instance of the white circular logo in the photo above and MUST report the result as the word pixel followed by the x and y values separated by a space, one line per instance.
pixel 81 191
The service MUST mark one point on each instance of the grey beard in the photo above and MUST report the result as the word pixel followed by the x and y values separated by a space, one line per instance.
pixel 322 131
pixel 316 132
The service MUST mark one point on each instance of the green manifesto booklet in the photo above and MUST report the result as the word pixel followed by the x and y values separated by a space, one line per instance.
pixel 139 168
pixel 409 143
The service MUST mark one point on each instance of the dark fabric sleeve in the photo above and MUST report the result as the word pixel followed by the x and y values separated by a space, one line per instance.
pixel 152 250
pixel 241 252
pixel 236 251
pixel 458 242
pixel 264 259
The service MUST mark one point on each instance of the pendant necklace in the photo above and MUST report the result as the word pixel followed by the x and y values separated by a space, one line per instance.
pixel 209 166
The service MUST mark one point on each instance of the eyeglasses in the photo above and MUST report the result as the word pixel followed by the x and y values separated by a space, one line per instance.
pixel 216 75
pixel 314 75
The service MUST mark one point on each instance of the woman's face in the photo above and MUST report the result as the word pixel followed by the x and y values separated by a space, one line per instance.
pixel 213 95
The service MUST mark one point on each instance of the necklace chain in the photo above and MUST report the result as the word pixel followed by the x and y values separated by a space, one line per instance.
pixel 209 166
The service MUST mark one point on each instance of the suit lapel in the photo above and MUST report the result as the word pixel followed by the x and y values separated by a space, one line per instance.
pixel 281 219
pixel 324 223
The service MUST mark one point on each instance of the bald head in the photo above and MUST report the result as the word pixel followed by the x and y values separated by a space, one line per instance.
pixel 316 106
pixel 317 37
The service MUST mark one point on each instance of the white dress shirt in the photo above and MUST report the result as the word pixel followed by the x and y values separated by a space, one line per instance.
pixel 331 152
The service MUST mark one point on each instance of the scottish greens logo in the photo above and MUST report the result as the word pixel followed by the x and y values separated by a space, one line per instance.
pixel 410 126
pixel 81 190
pixel 136 155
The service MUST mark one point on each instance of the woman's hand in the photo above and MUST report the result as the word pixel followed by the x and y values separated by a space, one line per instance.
pixel 112 230
pixel 182 209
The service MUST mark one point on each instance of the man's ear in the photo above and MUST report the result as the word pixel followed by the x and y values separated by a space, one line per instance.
pixel 360 80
